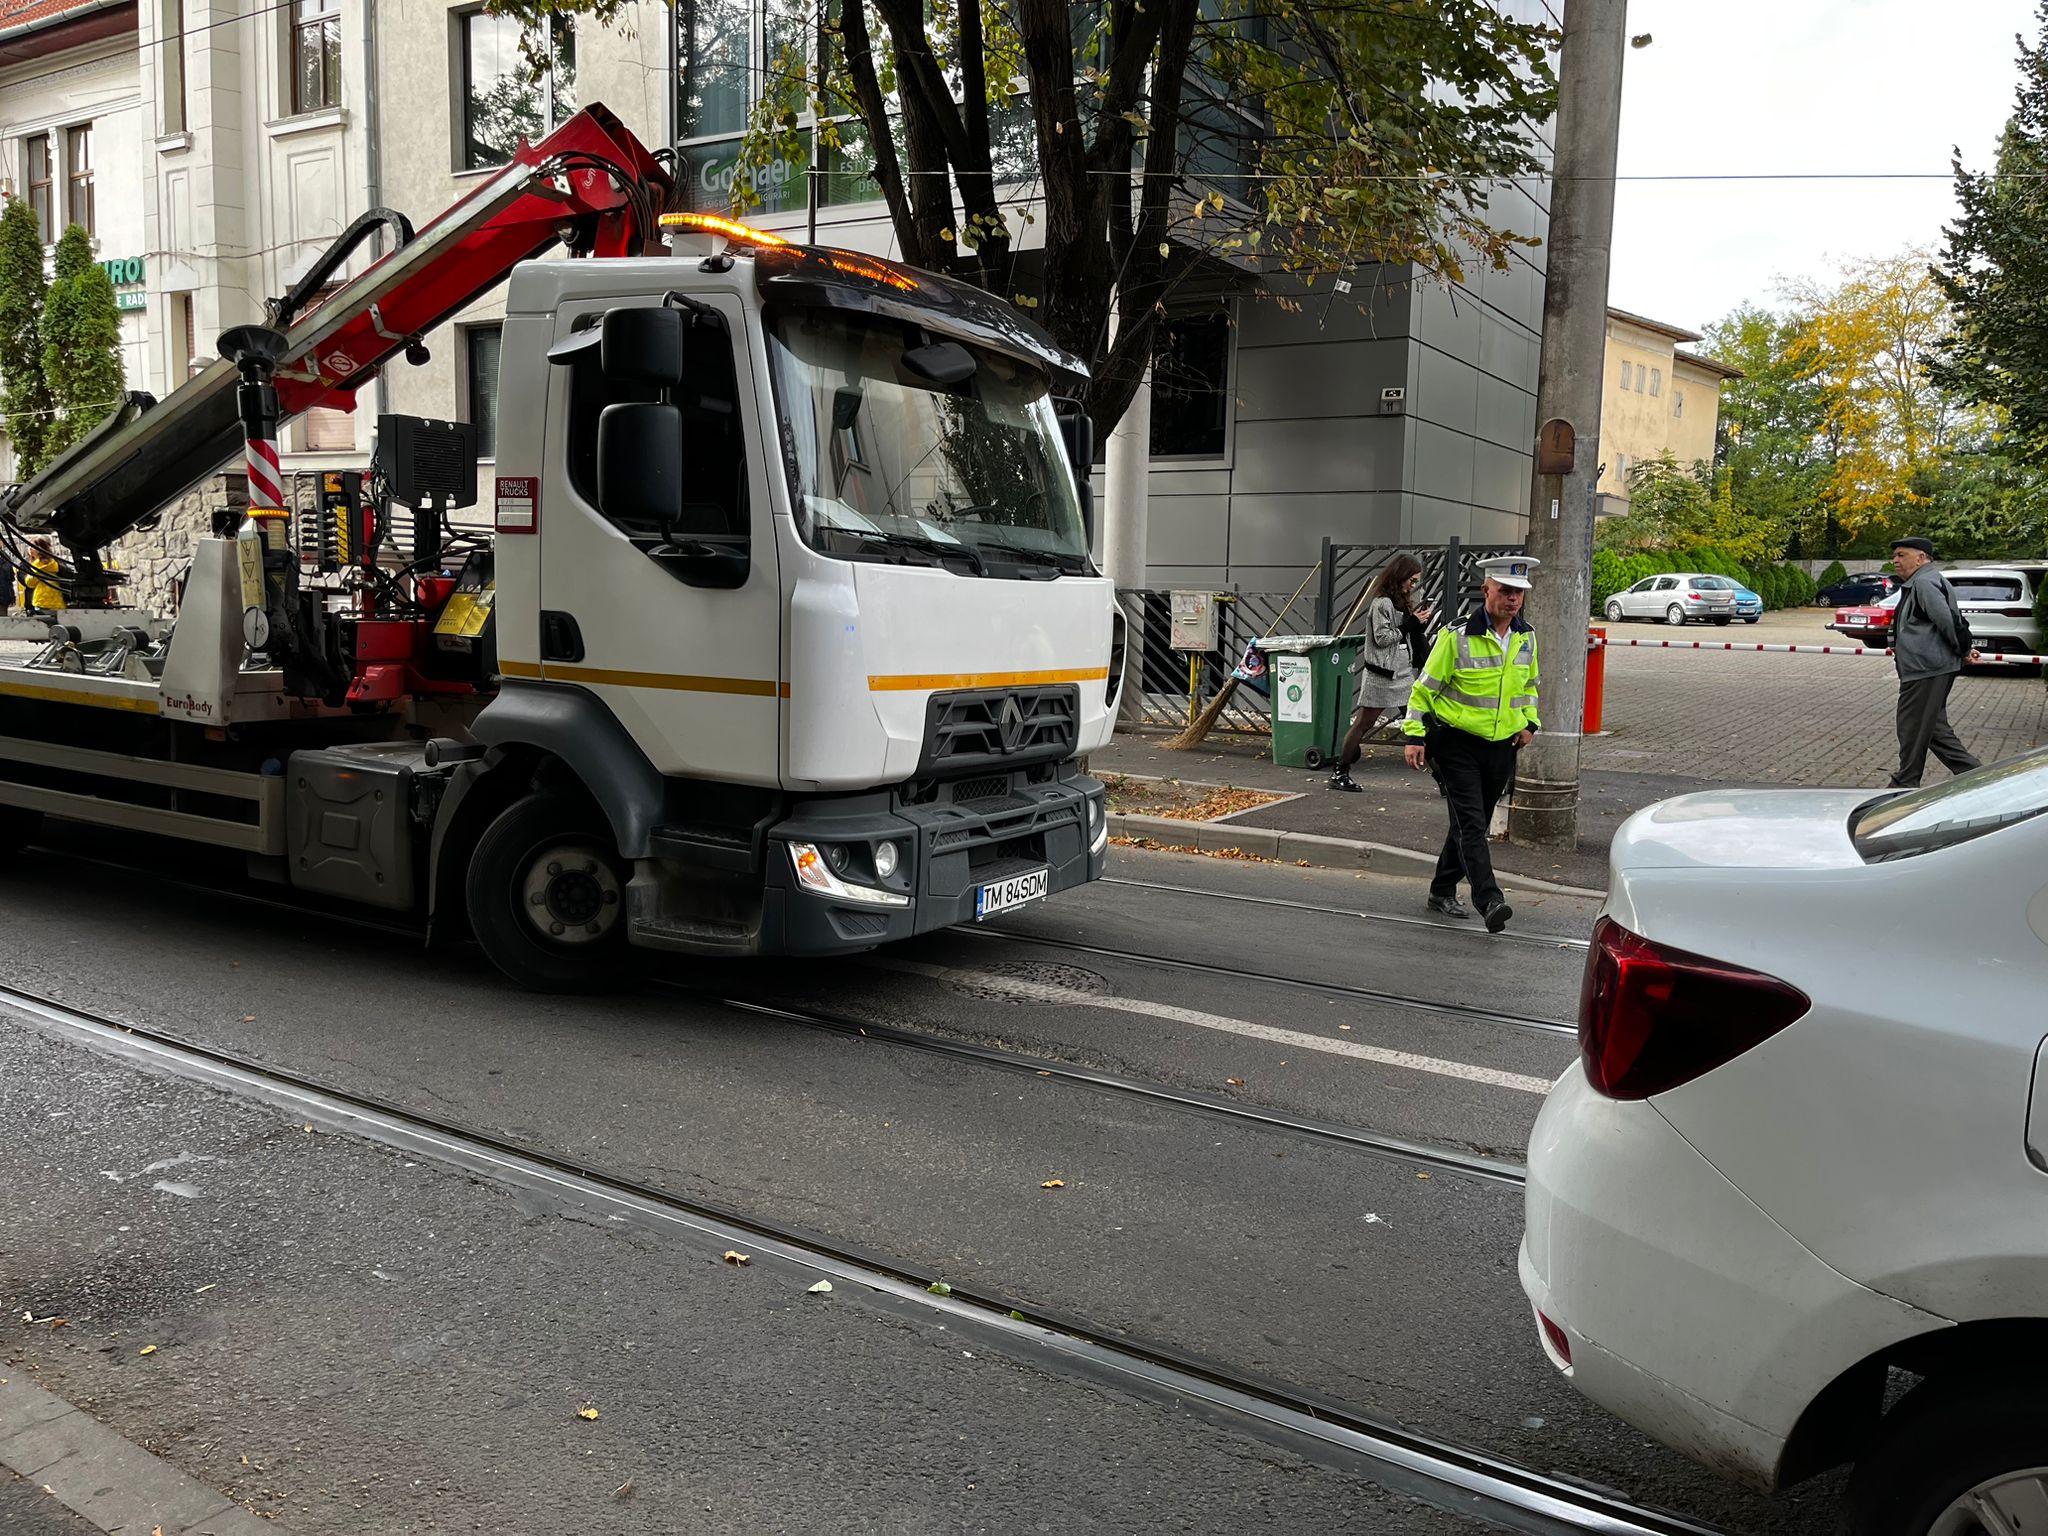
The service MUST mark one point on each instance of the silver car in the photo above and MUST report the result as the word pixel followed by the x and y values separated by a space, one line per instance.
pixel 1676 599
pixel 1998 602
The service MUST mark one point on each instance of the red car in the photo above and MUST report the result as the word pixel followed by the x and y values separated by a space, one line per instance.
pixel 1868 623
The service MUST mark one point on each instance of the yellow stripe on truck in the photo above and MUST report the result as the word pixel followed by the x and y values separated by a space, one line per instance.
pixel 903 682
pixel 561 672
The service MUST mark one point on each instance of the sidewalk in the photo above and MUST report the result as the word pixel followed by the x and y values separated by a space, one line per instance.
pixel 1399 809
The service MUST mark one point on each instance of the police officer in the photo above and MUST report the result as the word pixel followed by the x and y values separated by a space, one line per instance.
pixel 1472 707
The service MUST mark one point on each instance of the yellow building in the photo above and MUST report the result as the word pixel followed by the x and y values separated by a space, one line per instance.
pixel 1655 399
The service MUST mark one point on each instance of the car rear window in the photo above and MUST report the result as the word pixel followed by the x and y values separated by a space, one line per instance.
pixel 1985 589
pixel 1711 583
pixel 1965 807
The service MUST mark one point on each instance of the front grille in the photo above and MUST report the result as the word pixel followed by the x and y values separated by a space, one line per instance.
pixel 999 727
pixel 995 787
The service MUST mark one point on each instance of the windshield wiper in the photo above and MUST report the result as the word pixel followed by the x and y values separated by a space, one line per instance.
pixel 1059 563
pixel 918 541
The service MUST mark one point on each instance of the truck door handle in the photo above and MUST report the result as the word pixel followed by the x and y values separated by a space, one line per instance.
pixel 560 639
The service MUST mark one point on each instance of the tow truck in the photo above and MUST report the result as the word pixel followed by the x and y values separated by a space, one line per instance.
pixel 784 637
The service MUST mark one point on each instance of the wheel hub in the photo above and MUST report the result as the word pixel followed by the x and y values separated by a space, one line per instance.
pixel 2011 1502
pixel 570 895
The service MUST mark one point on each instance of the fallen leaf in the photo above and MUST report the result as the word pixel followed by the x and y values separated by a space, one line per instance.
pixel 1054 1184
pixel 1343 1026
pixel 734 1256
pixel 1018 1317
pixel 1234 1082
pixel 822 1288
pixel 309 1129
pixel 586 1413
pixel 624 1490
pixel 1422 1175
pixel 940 1288
pixel 204 1289
pixel 60 1322
pixel 248 1018
pixel 147 1349
pixel 1045 1074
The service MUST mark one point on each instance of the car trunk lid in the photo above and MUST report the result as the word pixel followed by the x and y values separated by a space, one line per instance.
pixel 1742 829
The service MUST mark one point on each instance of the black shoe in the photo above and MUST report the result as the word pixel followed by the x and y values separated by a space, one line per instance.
pixel 1497 916
pixel 1342 780
pixel 1449 906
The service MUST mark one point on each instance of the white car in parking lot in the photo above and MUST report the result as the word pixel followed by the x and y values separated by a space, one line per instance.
pixel 1772 1192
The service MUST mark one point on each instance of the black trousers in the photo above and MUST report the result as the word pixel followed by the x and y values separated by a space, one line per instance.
pixel 1923 723
pixel 1473 775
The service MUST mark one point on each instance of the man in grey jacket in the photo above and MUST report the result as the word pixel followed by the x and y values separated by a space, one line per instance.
pixel 1930 643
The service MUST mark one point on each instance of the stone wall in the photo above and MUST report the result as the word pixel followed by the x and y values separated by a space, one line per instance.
pixel 155 560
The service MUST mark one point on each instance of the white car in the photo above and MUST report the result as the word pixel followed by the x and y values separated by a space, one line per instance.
pixel 1681 598
pixel 1773 1189
pixel 1998 602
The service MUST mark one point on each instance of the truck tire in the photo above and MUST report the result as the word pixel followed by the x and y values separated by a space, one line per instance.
pixel 1950 1450
pixel 546 895
pixel 18 828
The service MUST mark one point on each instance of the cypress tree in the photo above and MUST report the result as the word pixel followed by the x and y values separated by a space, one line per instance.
pixel 81 342
pixel 24 392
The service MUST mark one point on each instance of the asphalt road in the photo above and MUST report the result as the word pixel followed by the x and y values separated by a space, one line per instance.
pixel 405 1349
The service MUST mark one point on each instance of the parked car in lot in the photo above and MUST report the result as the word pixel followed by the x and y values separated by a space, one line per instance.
pixel 1854 591
pixel 1867 623
pixel 1679 598
pixel 1749 607
pixel 1998 602
pixel 1771 1194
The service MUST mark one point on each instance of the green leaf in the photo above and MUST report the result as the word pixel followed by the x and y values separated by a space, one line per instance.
pixel 940 1288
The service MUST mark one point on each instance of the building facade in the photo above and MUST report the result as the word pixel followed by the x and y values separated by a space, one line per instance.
pixel 1658 399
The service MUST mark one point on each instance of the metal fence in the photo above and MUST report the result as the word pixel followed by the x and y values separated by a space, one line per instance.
pixel 1173 687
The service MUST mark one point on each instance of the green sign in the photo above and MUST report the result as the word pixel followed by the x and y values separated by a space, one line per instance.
pixel 123 271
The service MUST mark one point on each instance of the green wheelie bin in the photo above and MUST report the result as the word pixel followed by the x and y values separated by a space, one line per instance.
pixel 1312 686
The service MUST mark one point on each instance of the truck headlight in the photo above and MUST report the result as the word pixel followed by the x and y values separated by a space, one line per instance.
pixel 1098 827
pixel 885 860
pixel 814 874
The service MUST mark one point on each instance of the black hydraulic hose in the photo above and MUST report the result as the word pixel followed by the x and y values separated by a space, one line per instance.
pixel 286 310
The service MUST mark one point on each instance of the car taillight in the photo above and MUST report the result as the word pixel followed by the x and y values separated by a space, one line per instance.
pixel 2014 613
pixel 1652 1017
pixel 1694 596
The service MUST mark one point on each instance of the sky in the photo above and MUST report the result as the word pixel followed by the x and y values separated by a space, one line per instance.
pixel 1732 88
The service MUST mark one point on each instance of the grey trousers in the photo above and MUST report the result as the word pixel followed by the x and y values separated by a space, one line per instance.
pixel 1923 724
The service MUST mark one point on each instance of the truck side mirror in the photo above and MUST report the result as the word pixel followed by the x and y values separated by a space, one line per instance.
pixel 1077 431
pixel 640 477
pixel 642 345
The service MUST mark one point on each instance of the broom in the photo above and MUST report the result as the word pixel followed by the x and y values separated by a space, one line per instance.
pixel 1193 735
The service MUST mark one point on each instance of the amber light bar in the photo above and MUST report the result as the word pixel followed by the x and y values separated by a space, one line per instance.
pixel 732 229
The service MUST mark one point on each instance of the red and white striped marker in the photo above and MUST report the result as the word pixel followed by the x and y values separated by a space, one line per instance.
pixel 1803 650
pixel 266 477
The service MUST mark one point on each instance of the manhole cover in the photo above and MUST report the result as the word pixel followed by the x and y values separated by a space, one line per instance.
pixel 1068 978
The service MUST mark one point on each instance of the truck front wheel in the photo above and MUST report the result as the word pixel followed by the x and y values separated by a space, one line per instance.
pixel 546 894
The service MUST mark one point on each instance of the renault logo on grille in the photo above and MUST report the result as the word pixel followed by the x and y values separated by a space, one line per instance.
pixel 1010 723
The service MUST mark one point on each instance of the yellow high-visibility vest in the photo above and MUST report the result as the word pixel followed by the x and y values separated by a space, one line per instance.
pixel 1477 682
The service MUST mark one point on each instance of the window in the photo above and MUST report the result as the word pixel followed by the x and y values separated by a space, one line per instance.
pixel 1190 386
pixel 722 47
pixel 187 361
pixel 1621 467
pixel 1656 381
pixel 1678 402
pixel 1642 376
pixel 1626 371
pixel 713 442
pixel 78 156
pixel 36 152
pixel 173 35
pixel 315 54
pixel 504 99
pixel 1667 584
pixel 483 346
pixel 1969 805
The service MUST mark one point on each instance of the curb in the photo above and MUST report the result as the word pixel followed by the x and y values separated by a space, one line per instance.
pixel 1307 847
pixel 110 1482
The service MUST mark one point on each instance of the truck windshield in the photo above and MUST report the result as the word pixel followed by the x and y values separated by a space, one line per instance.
pixel 887 464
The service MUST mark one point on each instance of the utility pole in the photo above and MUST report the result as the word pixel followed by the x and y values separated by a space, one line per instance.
pixel 1545 811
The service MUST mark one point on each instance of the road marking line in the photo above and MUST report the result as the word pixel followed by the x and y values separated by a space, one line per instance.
pixel 1041 992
